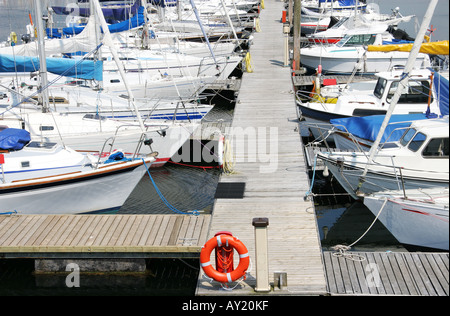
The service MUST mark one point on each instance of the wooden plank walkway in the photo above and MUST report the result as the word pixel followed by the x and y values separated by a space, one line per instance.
pixel 394 273
pixel 269 159
pixel 110 236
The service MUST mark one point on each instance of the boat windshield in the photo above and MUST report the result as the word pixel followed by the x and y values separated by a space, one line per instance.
pixel 407 136
pixel 357 40
pixel 415 92
pixel 380 87
pixel 417 142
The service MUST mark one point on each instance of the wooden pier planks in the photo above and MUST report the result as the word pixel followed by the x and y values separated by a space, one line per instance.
pixel 28 234
pixel 394 273
pixel 265 115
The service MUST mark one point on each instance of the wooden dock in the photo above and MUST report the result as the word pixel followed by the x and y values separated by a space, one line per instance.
pixel 102 236
pixel 394 273
pixel 270 163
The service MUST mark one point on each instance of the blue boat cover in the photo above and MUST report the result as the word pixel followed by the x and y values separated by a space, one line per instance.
pixel 80 69
pixel 112 15
pixel 367 127
pixel 126 25
pixel 14 139
pixel 135 21
pixel 440 85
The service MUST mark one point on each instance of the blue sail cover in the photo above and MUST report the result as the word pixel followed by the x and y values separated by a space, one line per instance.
pixel 135 21
pixel 441 85
pixel 14 139
pixel 112 15
pixel 80 69
pixel 367 127
pixel 131 23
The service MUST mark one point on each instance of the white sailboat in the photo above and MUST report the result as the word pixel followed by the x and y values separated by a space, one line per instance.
pixel 47 178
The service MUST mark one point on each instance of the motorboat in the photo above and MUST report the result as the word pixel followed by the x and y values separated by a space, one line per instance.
pixel 418 160
pixel 362 21
pixel 369 98
pixel 350 55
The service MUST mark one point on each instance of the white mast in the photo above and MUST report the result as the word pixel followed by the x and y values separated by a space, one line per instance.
pixel 42 60
pixel 107 40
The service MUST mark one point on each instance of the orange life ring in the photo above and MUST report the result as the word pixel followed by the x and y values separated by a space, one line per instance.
pixel 205 256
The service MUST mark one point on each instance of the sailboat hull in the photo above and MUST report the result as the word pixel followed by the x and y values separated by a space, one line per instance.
pixel 105 189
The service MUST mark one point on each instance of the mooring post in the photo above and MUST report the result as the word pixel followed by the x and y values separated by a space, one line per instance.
pixel 261 254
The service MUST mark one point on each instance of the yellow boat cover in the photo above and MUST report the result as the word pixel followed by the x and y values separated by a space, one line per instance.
pixel 434 48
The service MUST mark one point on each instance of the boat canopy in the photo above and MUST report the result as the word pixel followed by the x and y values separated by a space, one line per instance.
pixel 80 69
pixel 367 127
pixel 434 48
pixel 14 139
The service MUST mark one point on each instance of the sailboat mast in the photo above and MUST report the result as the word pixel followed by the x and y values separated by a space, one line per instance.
pixel 42 60
pixel 108 41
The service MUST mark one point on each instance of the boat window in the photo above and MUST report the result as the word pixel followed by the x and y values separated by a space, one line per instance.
pixel 437 147
pixel 417 141
pixel 367 112
pixel 357 40
pixel 415 92
pixel 46 128
pixel 43 145
pixel 407 136
pixel 91 116
pixel 380 87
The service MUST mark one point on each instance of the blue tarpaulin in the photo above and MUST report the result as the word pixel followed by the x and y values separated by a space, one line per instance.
pixel 14 139
pixel 441 85
pixel 367 127
pixel 80 69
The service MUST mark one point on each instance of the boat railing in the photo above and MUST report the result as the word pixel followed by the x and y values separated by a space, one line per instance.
pixel 143 140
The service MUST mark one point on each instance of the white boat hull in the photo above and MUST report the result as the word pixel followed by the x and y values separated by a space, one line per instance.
pixel 380 176
pixel 345 61
pixel 73 195
pixel 412 222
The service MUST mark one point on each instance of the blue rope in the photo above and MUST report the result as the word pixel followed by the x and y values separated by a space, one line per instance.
pixel 9 213
pixel 194 212
pixel 312 180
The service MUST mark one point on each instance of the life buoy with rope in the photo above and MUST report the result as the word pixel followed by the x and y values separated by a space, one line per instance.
pixel 228 241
